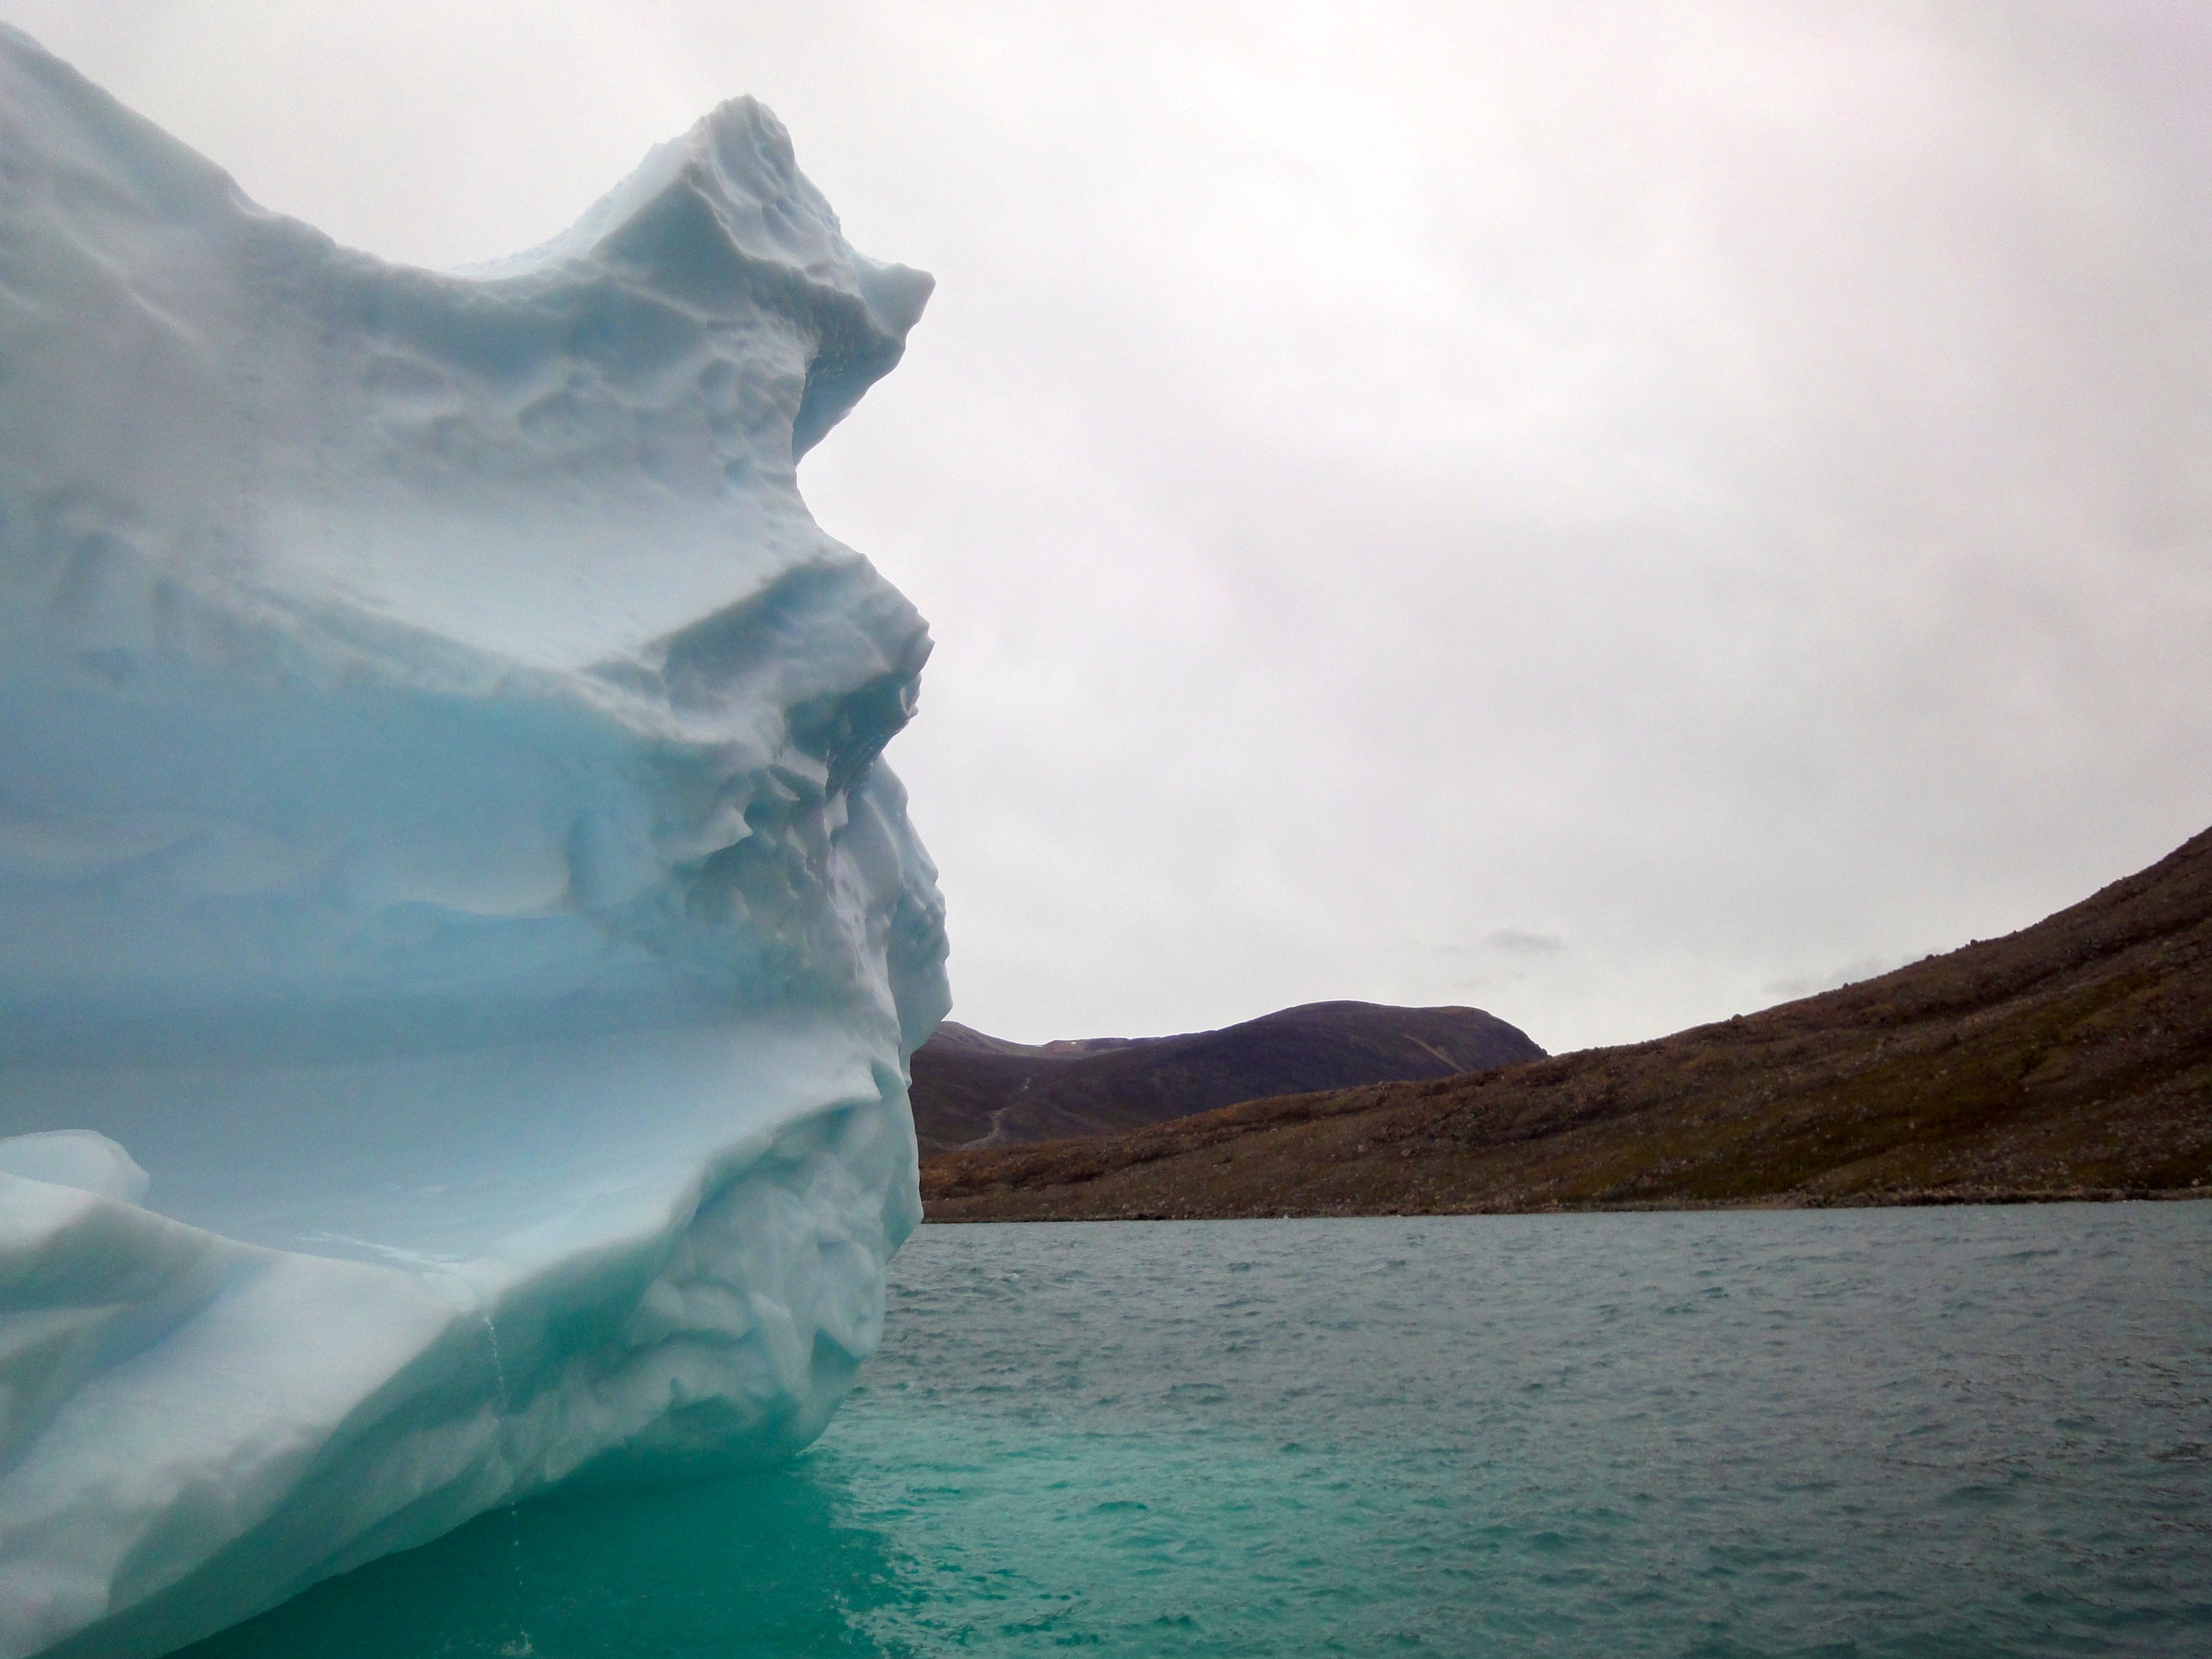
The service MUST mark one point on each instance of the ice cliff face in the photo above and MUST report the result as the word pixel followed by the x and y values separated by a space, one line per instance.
pixel 459 948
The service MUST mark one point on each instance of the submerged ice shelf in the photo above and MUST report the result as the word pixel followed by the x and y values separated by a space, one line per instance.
pixel 459 948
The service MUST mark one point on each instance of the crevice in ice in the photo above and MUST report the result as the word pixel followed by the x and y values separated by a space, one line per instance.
pixel 504 1398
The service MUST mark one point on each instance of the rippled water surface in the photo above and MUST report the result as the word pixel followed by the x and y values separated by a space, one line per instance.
pixel 1954 1432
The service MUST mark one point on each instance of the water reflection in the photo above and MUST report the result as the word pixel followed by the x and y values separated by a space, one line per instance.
pixel 769 1563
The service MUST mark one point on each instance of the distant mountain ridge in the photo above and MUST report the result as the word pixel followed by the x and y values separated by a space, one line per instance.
pixel 2070 1059
pixel 972 1089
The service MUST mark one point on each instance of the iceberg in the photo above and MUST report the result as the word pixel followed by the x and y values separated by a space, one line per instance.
pixel 459 948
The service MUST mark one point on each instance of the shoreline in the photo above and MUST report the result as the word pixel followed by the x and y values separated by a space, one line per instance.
pixel 1931 1199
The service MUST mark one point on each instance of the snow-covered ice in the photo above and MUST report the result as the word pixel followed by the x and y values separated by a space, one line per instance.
pixel 459 948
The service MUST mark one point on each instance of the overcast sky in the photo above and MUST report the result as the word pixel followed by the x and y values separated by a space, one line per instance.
pixel 1616 513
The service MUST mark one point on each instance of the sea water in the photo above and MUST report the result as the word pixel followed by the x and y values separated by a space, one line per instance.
pixel 1944 1431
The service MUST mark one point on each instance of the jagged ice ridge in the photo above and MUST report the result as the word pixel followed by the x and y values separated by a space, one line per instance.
pixel 460 949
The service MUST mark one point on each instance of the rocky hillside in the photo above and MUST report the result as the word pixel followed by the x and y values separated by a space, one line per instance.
pixel 2072 1058
pixel 970 1089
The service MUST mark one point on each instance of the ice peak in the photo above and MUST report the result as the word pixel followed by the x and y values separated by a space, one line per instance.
pixel 54 123
pixel 722 217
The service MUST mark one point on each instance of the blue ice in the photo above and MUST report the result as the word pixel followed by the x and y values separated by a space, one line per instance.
pixel 459 948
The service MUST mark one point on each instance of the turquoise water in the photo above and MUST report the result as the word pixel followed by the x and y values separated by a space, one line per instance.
pixel 1955 1432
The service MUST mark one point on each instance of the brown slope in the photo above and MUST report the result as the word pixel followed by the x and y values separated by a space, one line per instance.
pixel 970 1088
pixel 2072 1058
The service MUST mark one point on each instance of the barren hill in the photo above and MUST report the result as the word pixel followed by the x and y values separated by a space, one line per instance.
pixel 970 1088
pixel 2072 1057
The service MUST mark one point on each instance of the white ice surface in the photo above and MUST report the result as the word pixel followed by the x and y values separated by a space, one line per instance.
pixel 459 948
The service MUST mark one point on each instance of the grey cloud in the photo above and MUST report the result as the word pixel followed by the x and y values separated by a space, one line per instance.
pixel 1516 942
